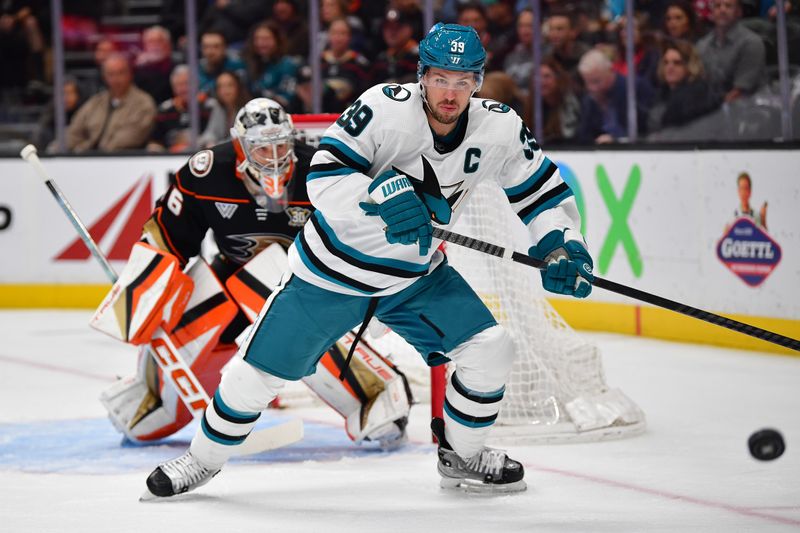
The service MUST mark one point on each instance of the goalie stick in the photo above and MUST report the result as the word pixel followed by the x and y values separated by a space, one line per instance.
pixel 162 347
pixel 525 259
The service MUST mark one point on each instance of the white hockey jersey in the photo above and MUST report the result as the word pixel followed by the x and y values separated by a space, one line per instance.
pixel 342 250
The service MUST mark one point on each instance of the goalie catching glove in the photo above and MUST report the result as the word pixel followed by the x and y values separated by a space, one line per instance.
pixel 569 268
pixel 406 217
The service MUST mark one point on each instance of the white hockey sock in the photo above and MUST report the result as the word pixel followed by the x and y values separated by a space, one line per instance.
pixel 469 416
pixel 242 394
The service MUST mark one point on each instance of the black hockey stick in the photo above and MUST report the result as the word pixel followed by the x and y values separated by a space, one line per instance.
pixel 518 257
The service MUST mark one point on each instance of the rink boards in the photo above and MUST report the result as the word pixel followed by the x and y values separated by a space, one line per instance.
pixel 661 221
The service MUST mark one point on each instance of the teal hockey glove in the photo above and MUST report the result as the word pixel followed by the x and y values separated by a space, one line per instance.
pixel 569 269
pixel 406 217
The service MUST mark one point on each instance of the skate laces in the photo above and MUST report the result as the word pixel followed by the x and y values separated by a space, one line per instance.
pixel 184 472
pixel 488 461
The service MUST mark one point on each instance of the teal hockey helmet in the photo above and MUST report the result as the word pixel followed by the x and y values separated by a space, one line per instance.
pixel 452 47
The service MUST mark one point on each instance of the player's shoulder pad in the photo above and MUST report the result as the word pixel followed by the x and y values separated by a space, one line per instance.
pixel 392 92
pixel 494 116
pixel 203 163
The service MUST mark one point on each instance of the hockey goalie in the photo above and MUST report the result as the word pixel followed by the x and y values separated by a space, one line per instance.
pixel 250 192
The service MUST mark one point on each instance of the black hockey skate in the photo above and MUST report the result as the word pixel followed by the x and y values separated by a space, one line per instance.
pixel 177 476
pixel 489 471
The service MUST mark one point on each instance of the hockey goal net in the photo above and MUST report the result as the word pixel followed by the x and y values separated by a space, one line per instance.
pixel 557 391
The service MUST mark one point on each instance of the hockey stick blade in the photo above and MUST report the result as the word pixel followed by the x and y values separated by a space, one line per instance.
pixel 718 320
pixel 168 358
pixel 272 438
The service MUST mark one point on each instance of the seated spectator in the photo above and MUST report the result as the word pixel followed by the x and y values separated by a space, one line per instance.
pixel 232 18
pixel 411 10
pixel 215 60
pixel 604 108
pixel 22 47
pixel 344 70
pixel 519 63
pixel 683 93
pixel 680 21
pixel 501 26
pixel 645 53
pixel 270 72
pixel 45 131
pixel 398 62
pixel 117 118
pixel 499 86
pixel 172 131
pixel 303 99
pixel 231 94
pixel 152 65
pixel 561 108
pixel 561 42
pixel 331 10
pixel 294 28
pixel 734 57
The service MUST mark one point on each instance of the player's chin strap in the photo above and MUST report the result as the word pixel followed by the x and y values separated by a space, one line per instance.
pixel 373 304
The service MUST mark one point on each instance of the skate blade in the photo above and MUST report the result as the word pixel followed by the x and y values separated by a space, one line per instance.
pixel 148 497
pixel 472 486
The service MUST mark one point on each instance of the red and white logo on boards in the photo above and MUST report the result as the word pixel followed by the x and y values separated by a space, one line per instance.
pixel 119 227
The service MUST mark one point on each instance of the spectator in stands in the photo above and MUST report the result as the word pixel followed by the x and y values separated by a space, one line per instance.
pixel 117 118
pixel 398 62
pixel 645 53
pixel 412 12
pixel 172 124
pixel 215 60
pixel 22 47
pixel 343 69
pixel 519 63
pixel 680 21
pixel 45 131
pixel 734 57
pixel 331 10
pixel 500 87
pixel 152 66
pixel 293 27
pixel 302 100
pixel 683 93
pixel 502 28
pixel 232 94
pixel 604 109
pixel 561 108
pixel 561 41
pixel 271 74
pixel 232 18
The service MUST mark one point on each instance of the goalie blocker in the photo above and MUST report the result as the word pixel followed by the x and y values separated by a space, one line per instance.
pixel 194 309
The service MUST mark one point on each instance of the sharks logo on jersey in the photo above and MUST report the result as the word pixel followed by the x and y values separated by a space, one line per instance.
pixel 428 189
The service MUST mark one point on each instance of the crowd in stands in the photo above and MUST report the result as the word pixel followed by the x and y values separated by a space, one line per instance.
pixel 696 64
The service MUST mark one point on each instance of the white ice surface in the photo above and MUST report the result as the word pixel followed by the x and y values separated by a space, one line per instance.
pixel 62 468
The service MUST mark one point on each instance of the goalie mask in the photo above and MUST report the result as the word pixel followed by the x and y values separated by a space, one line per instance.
pixel 266 134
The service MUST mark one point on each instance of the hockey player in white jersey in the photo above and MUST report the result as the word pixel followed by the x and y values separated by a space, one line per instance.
pixel 401 158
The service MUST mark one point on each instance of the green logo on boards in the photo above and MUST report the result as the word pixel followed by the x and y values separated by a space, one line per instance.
pixel 619 232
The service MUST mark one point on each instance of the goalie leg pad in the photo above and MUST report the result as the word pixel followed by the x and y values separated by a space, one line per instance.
pixel 373 398
pixel 476 387
pixel 243 393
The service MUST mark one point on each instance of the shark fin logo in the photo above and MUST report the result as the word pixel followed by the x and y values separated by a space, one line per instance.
pixel 119 227
pixel 397 92
pixel 430 192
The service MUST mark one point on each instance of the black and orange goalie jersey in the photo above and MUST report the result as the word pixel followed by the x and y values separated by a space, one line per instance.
pixel 209 193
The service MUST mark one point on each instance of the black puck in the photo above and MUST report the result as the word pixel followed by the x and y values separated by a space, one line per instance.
pixel 766 444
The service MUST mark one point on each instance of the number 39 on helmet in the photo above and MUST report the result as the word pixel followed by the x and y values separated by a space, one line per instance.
pixel 265 133
pixel 452 47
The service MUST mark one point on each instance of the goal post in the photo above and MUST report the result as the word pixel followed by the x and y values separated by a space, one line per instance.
pixel 557 391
